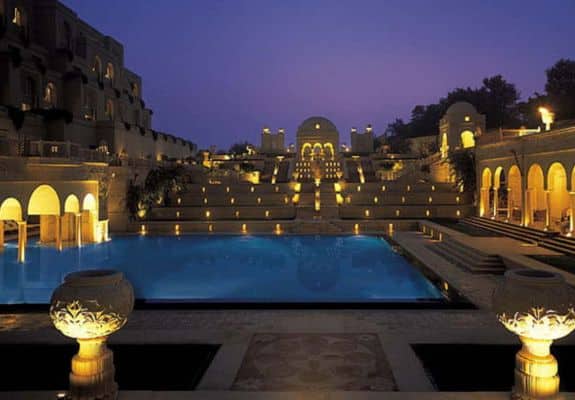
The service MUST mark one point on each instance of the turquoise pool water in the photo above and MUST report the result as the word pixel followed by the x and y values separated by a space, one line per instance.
pixel 281 269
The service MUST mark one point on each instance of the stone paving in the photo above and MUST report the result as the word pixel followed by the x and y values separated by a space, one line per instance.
pixel 238 330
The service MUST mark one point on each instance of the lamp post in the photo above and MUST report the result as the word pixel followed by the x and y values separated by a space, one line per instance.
pixel 89 306
pixel 538 307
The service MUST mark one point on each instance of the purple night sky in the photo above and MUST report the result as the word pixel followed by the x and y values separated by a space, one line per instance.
pixel 217 71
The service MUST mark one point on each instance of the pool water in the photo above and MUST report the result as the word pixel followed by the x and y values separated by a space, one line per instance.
pixel 228 269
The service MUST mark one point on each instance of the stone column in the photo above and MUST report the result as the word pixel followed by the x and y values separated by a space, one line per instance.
pixel 548 210
pixel 495 201
pixel 22 240
pixel 58 229
pixel 572 216
pixel 528 216
pixel 484 206
pixel 78 229
pixel 1 235
pixel 509 205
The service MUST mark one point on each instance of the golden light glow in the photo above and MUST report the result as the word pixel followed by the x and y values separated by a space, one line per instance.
pixel 295 198
pixel 356 229
pixel 403 199
pixel 210 228
pixel 408 188
pixel 359 188
pixel 278 229
pixel 177 229
pixel 205 200
pixel 547 117
pixel 383 188
pixel 458 213
pixel 390 229
pixel 467 139
pixel 430 199
pixel 237 214
pixel 177 214
pixel 203 189
pixel 252 189
pixel 397 213
pixel 337 187
pixel 427 213
pixel 208 214
pixel 433 188
pixel 297 187
pixel 539 323
pixel 72 204
pixel 457 199
pixel 244 228
pixel 44 201
pixel 375 200
pixel 179 201
pixel 232 200
pixel 11 210
pixel 366 213
pixel 267 213
pixel 143 229
pixel 339 199
pixel 227 189
pixel 259 200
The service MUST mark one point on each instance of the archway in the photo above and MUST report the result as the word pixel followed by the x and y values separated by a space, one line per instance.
pixel 306 151
pixel 317 151
pixel 558 204
pixel 89 218
pixel 45 203
pixel 485 188
pixel 10 210
pixel 467 139
pixel 328 151
pixel 514 195
pixel 499 191
pixel 535 209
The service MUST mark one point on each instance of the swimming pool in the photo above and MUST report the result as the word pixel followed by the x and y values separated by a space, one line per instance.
pixel 228 269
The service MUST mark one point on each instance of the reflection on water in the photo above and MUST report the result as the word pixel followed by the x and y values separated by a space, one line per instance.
pixel 227 268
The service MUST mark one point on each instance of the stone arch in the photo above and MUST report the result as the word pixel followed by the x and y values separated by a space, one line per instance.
pixel 558 196
pixel 44 201
pixel 317 150
pixel 72 204
pixel 11 210
pixel 535 195
pixel 514 193
pixel 328 150
pixel 306 150
pixel 89 203
pixel 485 189
pixel 89 218
pixel 467 139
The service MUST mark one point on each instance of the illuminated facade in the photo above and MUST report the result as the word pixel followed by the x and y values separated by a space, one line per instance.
pixel 460 127
pixel 317 150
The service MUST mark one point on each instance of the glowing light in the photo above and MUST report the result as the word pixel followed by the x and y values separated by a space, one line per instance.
pixel 337 187
pixel 356 229
pixel 237 214
pixel 177 214
pixel 179 201
pixel 232 200
pixel 383 188
pixel 227 189
pixel 375 200
pixel 366 213
pixel 203 189
pixel 408 188
pixel 295 198
pixel 143 229
pixel 252 189
pixel 403 199
pixel 427 213
pixel 547 117
pixel 339 199
pixel 259 200
pixel 397 213
pixel 390 229
pixel 457 199
pixel 244 228
pixel 430 199
pixel 267 213
pixel 208 213
pixel 177 229
pixel 297 187
pixel 210 228
pixel 433 188
pixel 359 188
pixel 205 200
pixel 278 229
pixel 458 213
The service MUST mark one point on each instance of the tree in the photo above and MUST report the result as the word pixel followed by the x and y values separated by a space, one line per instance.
pixel 240 148
pixel 463 165
pixel 560 88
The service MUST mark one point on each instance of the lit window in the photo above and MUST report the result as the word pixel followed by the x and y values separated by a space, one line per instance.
pixel 50 95
pixel 317 126
pixel 17 17
pixel 53 149
pixel 109 72
pixel 467 118
pixel 110 109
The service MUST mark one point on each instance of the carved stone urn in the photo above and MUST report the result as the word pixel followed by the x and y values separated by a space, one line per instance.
pixel 89 306
pixel 538 307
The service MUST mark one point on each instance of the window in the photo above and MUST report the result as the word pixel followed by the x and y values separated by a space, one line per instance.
pixel 53 149
pixel 467 139
pixel 30 95
pixel 109 72
pixel 109 109
pixel 67 36
pixel 18 20
pixel 97 68
pixel 50 95
pixel 135 89
pixel 81 45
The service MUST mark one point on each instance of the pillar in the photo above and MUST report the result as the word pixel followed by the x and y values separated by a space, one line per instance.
pixel 528 215
pixel 22 240
pixel 572 216
pixel 484 206
pixel 78 229
pixel 1 235
pixel 548 210
pixel 58 229
pixel 509 205
pixel 495 201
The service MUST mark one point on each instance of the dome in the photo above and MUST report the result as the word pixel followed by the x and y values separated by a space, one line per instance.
pixel 461 107
pixel 312 124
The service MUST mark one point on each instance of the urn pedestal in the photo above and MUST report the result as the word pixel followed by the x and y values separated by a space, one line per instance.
pixel 89 306
pixel 538 307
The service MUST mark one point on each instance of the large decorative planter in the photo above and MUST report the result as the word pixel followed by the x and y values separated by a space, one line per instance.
pixel 538 307
pixel 89 306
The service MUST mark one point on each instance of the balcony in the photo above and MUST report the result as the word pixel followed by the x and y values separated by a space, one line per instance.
pixel 50 149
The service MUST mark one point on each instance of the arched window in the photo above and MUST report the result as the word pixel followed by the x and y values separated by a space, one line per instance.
pixel 18 18
pixel 50 95
pixel 109 109
pixel 467 139
pixel 109 72
pixel 97 67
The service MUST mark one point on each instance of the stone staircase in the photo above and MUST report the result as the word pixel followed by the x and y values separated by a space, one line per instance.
pixel 551 240
pixel 468 258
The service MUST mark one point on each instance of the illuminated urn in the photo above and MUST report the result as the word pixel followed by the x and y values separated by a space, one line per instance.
pixel 538 307
pixel 89 306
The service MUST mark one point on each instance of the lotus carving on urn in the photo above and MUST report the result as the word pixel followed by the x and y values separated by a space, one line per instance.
pixel 89 306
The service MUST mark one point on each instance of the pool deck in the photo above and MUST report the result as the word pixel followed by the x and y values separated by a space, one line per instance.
pixel 396 330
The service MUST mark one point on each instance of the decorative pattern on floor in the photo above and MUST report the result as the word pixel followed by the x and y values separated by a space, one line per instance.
pixel 294 361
